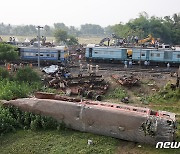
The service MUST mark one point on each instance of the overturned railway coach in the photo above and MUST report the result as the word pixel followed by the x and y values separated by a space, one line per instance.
pixel 53 54
pixel 125 122
pixel 118 54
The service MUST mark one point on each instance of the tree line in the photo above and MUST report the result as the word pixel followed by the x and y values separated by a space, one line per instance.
pixel 31 30
pixel 166 28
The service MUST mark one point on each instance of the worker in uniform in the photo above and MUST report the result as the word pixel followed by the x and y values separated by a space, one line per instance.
pixel 130 64
pixel 145 63
pixel 136 39
pixel 97 68
pixel 125 64
pixel 168 66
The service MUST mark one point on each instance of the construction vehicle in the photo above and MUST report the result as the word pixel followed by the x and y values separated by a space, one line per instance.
pixel 149 38
pixel 102 42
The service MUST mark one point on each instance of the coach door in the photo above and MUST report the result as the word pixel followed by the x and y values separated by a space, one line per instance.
pixel 59 54
pixel 167 56
pixel 90 52
pixel 147 54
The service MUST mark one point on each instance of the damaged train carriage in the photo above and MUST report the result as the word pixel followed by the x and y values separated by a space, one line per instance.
pixel 125 122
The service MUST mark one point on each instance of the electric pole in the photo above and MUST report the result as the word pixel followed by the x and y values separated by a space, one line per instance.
pixel 39 27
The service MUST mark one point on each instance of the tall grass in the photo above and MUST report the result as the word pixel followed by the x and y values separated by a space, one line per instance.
pixel 166 95
pixel 118 93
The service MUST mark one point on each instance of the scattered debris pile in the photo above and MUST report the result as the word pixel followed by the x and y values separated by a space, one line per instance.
pixel 125 122
pixel 89 85
pixel 126 80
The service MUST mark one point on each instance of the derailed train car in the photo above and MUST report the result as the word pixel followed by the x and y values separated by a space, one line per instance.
pixel 125 122
pixel 118 54
pixel 47 54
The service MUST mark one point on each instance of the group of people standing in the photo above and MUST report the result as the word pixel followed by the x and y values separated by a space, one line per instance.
pixel 129 64
pixel 14 67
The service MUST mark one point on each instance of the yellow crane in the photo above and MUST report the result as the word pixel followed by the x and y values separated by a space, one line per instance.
pixel 149 38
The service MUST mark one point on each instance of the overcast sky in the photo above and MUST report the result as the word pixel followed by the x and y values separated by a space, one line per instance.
pixel 77 12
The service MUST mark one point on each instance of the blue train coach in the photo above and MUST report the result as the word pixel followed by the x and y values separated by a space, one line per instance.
pixel 157 55
pixel 55 54
pixel 98 53
pixel 135 54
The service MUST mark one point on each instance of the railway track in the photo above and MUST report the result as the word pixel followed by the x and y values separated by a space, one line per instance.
pixel 136 68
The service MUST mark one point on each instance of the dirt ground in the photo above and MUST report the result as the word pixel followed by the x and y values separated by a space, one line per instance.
pixel 151 80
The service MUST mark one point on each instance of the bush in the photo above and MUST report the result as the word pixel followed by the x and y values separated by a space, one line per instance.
pixel 8 52
pixel 7 122
pixel 118 93
pixel 13 89
pixel 11 118
pixel 27 75
pixel 4 73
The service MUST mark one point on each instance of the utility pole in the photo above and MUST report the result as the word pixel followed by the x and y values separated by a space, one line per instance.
pixel 39 27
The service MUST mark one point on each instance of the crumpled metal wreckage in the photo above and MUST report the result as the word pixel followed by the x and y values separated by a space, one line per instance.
pixel 125 122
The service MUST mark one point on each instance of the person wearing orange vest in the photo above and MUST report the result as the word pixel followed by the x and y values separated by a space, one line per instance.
pixel 8 66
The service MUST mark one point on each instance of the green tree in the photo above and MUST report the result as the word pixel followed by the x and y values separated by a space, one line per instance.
pixel 72 40
pixel 60 35
pixel 47 31
pixel 73 31
pixel 8 52
pixel 176 29
pixel 91 29
pixel 122 30
pixel 61 26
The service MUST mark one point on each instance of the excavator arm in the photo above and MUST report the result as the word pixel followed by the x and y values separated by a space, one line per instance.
pixel 146 39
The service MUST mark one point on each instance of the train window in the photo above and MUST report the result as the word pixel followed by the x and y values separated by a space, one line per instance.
pixel 152 54
pixel 36 54
pixel 47 55
pixel 41 55
pixel 31 54
pixel 178 56
pixel 52 55
pixel 26 54
pixel 158 55
pixel 95 52
pixel 142 54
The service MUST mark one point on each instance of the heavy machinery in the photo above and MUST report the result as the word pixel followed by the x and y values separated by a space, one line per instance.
pixel 43 42
pixel 149 38
pixel 102 42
